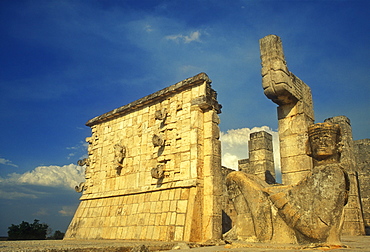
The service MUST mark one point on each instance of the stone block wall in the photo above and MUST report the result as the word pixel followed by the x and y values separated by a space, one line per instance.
pixel 154 169
pixel 362 153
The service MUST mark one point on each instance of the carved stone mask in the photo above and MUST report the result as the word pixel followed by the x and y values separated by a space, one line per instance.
pixel 119 153
pixel 160 114
pixel 157 172
pixel 157 141
pixel 323 140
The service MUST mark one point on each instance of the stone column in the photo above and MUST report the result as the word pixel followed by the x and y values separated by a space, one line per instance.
pixel 353 218
pixel 295 111
pixel 212 199
pixel 206 165
pixel 261 157
pixel 362 153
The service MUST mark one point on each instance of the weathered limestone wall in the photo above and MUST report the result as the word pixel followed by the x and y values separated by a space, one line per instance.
pixel 362 153
pixel 353 219
pixel 229 213
pixel 154 169
pixel 295 110
pixel 261 157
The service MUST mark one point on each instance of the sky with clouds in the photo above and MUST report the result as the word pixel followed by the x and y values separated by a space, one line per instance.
pixel 64 62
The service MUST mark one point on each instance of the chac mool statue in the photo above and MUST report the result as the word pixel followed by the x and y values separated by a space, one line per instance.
pixel 310 211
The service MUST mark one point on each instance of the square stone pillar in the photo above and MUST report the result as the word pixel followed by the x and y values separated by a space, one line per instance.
pixel 261 157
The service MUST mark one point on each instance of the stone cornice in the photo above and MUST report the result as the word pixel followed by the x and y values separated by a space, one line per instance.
pixel 189 82
pixel 144 189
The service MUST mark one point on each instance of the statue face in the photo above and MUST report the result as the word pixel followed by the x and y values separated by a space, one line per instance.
pixel 323 144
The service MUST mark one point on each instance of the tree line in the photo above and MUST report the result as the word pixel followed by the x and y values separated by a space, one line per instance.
pixel 32 231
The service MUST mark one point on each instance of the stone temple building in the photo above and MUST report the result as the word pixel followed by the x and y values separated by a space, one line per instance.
pixel 154 167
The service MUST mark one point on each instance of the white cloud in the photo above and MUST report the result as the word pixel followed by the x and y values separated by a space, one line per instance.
pixel 194 36
pixel 230 160
pixel 67 176
pixel 67 210
pixel 234 145
pixel 42 212
pixel 15 195
pixel 7 162
pixel 174 37
pixel 78 149
pixel 148 28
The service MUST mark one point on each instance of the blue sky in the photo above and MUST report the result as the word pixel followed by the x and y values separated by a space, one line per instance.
pixel 65 62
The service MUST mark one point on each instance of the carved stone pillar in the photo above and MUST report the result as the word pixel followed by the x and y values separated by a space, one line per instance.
pixel 295 111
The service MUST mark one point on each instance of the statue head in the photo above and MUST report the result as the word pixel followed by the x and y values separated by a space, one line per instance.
pixel 324 142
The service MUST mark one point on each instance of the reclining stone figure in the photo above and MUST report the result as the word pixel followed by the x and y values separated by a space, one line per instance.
pixel 310 211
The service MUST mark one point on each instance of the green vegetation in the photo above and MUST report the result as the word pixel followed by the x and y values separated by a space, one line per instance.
pixel 56 236
pixel 27 231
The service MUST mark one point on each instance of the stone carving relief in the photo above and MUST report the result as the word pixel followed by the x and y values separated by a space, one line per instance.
pixel 83 162
pixel 295 110
pixel 119 156
pixel 160 114
pixel 83 185
pixel 157 172
pixel 80 187
pixel 308 212
pixel 157 141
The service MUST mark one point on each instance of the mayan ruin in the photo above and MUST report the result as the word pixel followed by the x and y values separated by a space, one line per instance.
pixel 154 170
pixel 151 170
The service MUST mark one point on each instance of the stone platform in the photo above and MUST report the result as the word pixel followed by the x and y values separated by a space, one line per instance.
pixel 354 243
